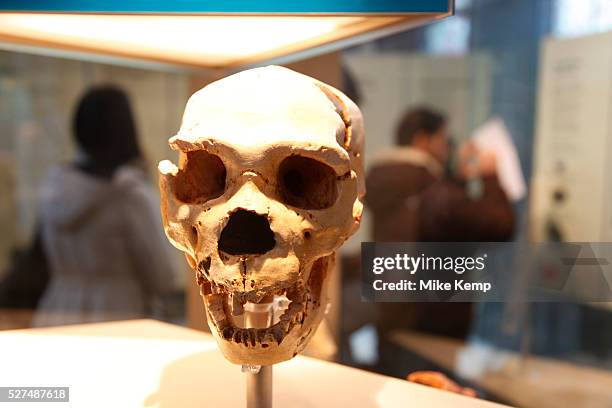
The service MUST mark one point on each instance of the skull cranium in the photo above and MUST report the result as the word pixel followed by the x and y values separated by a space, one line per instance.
pixel 269 185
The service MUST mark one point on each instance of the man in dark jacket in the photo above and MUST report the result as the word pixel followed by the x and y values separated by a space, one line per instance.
pixel 413 197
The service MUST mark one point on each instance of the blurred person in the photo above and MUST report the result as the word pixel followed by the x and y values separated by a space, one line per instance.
pixel 399 176
pixel 469 206
pixel 414 196
pixel 100 223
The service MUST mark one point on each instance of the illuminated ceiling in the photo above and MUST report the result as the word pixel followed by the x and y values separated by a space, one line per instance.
pixel 200 41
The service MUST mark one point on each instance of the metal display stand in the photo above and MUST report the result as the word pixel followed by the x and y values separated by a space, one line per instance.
pixel 259 378
pixel 259 388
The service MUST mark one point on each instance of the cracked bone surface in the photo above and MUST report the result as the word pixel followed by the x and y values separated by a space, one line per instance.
pixel 268 185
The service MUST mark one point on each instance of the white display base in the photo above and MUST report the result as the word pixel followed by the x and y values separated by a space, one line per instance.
pixel 148 363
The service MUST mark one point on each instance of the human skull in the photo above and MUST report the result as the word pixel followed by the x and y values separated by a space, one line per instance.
pixel 269 184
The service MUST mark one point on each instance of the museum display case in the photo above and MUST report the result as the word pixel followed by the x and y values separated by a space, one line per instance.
pixel 326 203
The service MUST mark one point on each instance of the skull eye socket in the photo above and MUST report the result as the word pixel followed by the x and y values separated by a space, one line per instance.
pixel 307 183
pixel 201 178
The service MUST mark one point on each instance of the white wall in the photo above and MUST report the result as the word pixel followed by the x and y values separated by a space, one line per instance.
pixel 574 139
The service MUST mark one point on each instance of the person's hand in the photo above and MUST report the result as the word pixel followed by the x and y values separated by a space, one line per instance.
pixel 467 160
pixel 487 163
pixel 440 381
pixel 474 162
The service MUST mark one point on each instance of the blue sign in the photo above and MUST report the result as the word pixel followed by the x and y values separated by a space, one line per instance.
pixel 231 6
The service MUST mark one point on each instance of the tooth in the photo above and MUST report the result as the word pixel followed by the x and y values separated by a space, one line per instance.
pixel 294 308
pixel 237 337
pixel 299 317
pixel 269 336
pixel 257 296
pixel 277 333
pixel 205 289
pixel 246 337
pixel 228 332
pixel 200 279
pixel 237 308
pixel 284 324
pixel 261 334
pixel 215 308
pixel 214 301
pixel 253 336
pixel 217 316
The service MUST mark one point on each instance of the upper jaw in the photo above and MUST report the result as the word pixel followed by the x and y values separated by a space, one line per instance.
pixel 243 294
pixel 250 278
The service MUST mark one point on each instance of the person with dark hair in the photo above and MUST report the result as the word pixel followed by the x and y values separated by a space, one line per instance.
pixel 424 129
pixel 100 223
pixel 400 175
pixel 413 196
pixel 105 132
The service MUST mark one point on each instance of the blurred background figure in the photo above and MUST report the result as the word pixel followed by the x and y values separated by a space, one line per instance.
pixel 400 175
pixel 100 225
pixel 418 192
pixel 415 194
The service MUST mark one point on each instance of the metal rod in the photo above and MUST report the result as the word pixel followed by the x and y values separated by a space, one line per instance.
pixel 259 388
pixel 259 379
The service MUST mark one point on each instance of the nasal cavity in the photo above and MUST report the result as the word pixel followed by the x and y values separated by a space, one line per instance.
pixel 246 233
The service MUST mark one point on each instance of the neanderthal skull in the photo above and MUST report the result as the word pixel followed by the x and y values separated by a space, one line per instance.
pixel 269 185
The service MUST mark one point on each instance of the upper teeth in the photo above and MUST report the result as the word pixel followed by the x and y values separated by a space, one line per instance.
pixel 237 305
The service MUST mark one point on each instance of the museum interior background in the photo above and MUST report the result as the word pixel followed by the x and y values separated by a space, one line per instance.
pixel 543 66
